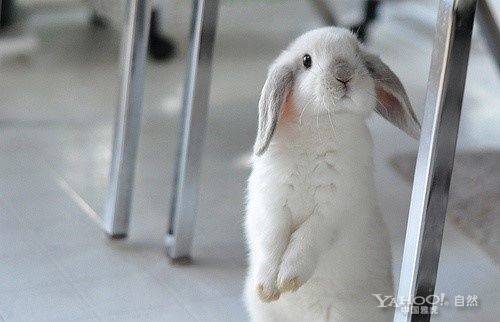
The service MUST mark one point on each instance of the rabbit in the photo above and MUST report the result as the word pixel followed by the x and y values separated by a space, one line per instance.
pixel 318 247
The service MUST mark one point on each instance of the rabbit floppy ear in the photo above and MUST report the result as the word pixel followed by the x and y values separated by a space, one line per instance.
pixel 278 85
pixel 392 101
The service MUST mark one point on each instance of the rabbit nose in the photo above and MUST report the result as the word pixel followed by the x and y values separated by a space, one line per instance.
pixel 343 80
pixel 342 71
pixel 343 74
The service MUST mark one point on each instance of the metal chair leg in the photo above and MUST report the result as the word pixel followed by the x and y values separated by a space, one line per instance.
pixel 128 118
pixel 436 154
pixel 179 237
pixel 489 28
pixel 370 14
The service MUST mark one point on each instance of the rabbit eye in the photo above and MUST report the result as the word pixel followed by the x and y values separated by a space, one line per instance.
pixel 307 61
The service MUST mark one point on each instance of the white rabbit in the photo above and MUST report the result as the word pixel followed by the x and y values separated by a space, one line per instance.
pixel 318 246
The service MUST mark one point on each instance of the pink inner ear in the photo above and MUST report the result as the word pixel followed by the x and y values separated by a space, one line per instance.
pixel 389 105
pixel 287 109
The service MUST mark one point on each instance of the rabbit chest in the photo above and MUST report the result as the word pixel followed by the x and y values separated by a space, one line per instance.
pixel 312 183
pixel 321 170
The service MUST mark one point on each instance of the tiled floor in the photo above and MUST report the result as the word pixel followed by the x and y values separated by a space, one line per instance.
pixel 55 135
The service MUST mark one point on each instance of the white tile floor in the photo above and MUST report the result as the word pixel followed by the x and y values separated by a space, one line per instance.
pixel 55 127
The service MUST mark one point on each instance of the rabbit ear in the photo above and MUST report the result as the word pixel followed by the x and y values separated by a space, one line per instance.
pixel 278 85
pixel 392 101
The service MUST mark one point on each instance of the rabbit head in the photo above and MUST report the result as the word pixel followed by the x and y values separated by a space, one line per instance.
pixel 328 70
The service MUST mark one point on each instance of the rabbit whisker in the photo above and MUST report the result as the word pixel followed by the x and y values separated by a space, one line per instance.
pixel 363 74
pixel 381 104
pixel 357 31
pixel 303 109
pixel 354 102
pixel 377 79
pixel 330 119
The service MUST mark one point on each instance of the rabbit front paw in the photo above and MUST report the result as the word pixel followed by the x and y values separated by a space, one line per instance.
pixel 267 293
pixel 266 287
pixel 288 283
pixel 296 269
pixel 289 279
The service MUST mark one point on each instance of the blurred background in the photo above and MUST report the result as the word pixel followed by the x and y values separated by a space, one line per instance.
pixel 59 77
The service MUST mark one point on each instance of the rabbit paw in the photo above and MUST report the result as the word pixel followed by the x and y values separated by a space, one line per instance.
pixel 267 294
pixel 266 281
pixel 296 269
pixel 288 284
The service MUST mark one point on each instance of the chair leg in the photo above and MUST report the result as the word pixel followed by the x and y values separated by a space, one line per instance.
pixel 370 14
pixel 489 28
pixel 161 47
pixel 180 233
pixel 328 17
pixel 6 12
pixel 435 156
pixel 128 118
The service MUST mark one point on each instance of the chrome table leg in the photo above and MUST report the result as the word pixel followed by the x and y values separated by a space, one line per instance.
pixel 128 118
pixel 192 129
pixel 489 28
pixel 436 154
